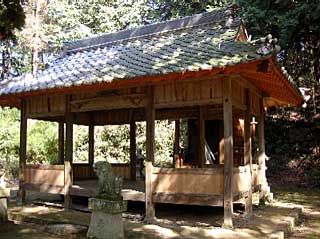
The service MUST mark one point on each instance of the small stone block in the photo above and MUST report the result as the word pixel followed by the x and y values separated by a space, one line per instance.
pixel 107 206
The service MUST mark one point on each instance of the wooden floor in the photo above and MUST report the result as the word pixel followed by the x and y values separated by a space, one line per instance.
pixel 132 190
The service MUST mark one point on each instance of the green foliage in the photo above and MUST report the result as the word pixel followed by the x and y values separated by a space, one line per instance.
pixel 294 149
pixel 69 20
pixel 42 141
pixel 80 143
pixel 171 9
pixel 11 18
pixel 296 25
pixel 313 176
pixel 42 147
pixel 112 143
pixel 9 140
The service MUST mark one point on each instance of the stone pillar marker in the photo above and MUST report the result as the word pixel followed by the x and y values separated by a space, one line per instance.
pixel 107 206
pixel 4 194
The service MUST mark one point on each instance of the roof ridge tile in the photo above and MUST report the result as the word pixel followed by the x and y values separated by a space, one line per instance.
pixel 217 16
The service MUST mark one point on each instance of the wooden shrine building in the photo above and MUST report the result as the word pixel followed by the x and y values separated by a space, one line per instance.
pixel 201 68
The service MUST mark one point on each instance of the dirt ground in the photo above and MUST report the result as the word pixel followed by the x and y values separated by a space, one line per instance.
pixel 27 231
pixel 310 200
pixel 182 221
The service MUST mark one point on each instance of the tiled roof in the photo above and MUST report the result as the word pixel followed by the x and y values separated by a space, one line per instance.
pixel 200 42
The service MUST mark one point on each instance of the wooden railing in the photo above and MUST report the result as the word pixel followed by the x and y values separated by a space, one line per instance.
pixel 44 178
pixel 188 180
pixel 200 186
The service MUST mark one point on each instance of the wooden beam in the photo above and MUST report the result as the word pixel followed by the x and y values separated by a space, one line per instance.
pixel 188 199
pixel 189 103
pixel 23 150
pixel 61 143
pixel 133 149
pixel 109 102
pixel 91 144
pixel 228 153
pixel 248 151
pixel 150 115
pixel 68 157
pixel 202 137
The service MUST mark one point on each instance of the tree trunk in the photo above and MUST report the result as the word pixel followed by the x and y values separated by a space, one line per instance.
pixel 35 50
pixel 5 60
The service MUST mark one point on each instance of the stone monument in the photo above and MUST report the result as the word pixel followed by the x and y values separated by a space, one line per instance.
pixel 107 206
pixel 4 194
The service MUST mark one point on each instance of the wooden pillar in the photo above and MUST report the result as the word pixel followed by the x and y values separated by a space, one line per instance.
pixel 69 155
pixel 23 150
pixel 262 155
pixel 150 118
pixel 61 143
pixel 248 152
pixel 133 149
pixel 176 148
pixel 91 144
pixel 228 153
pixel 202 137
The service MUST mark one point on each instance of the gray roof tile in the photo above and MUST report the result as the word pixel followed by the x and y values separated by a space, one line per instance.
pixel 189 44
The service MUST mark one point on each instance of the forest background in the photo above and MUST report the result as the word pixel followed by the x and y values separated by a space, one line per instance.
pixel 32 34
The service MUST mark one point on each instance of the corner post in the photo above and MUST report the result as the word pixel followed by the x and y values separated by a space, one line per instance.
pixel 202 140
pixel 262 155
pixel 61 143
pixel 133 149
pixel 150 118
pixel 91 144
pixel 176 142
pixel 23 150
pixel 69 155
pixel 228 153
pixel 248 152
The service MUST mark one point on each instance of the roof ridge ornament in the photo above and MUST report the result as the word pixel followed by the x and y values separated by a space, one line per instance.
pixel 268 45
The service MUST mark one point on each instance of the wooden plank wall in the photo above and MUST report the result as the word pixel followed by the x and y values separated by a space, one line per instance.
pixel 45 178
pixel 255 104
pixel 121 170
pixel 169 94
pixel 202 181
pixel 189 93
pixel 85 171
pixel 46 105
pixel 238 94
pixel 188 181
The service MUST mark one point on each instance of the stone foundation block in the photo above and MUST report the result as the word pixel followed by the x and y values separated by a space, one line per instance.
pixel 106 218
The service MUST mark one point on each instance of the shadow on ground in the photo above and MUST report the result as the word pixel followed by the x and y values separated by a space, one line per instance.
pixel 174 221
